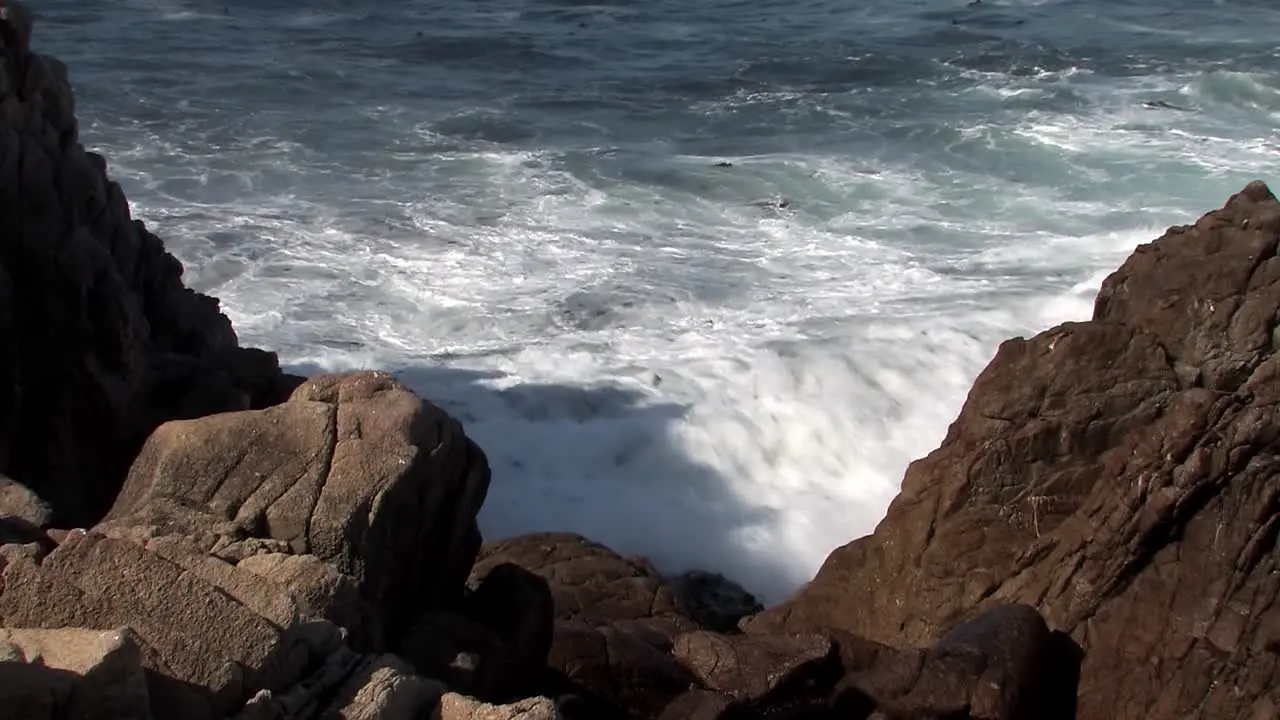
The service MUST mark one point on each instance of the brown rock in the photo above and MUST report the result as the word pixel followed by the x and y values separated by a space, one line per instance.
pixel 210 637
pixel 17 501
pixel 464 654
pixel 518 605
pixel 761 669
pixel 316 589
pixel 23 515
pixel 385 688
pixel 1115 474
pixel 71 673
pixel 460 707
pixel 589 582
pixel 616 618
pixel 350 686
pixel 618 667
pixel 1002 665
pixel 354 469
pixel 714 601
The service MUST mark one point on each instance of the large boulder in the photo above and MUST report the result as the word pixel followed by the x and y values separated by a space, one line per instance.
pixel 1120 475
pixel 100 342
pixel 354 469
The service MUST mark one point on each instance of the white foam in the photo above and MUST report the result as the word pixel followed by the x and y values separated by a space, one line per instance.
pixel 654 351
pixel 708 384
pixel 749 432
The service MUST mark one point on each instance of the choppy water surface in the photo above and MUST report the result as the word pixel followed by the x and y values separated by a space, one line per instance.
pixel 701 278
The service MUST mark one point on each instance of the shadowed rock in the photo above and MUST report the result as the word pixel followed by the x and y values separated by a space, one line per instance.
pixel 100 342
pixel 72 673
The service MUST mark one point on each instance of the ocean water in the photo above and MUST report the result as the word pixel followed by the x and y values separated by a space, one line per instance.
pixel 701 278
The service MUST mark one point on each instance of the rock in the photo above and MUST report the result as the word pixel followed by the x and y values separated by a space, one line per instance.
pixel 518 605
pixel 761 669
pixel 385 688
pixel 617 668
pixel 590 583
pixel 108 343
pixel 1118 475
pixel 352 687
pixel 354 469
pixel 71 673
pixel 17 501
pixel 713 600
pixel 318 591
pixel 460 707
pixel 211 635
pixel 23 515
pixel 1002 665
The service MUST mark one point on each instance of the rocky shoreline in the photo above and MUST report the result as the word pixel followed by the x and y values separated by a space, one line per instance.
pixel 186 531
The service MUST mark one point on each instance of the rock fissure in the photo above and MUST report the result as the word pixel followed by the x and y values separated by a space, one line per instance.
pixel 327 451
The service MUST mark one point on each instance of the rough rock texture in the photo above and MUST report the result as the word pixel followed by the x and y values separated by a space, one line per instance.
pixel 460 707
pixel 165 595
pixel 589 582
pixel 493 644
pixel 72 673
pixel 254 554
pixel 751 668
pixel 100 341
pixel 354 469
pixel 19 502
pixel 351 687
pixel 1121 475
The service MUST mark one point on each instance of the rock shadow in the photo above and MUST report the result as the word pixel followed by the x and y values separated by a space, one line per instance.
pixel 604 461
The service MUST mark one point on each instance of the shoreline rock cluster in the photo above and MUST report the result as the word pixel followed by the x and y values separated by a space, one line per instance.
pixel 188 532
